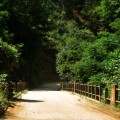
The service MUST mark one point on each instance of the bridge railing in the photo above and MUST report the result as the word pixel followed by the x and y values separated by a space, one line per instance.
pixel 91 91
pixel 118 97
pixel 98 93
pixel 12 87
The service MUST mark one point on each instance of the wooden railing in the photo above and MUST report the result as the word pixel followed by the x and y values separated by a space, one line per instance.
pixel 17 87
pixel 98 93
pixel 11 87
pixel 118 96
pixel 91 91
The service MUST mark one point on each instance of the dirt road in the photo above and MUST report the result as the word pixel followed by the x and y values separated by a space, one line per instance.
pixel 46 103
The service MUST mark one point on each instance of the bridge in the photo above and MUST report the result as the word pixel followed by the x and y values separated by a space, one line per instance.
pixel 48 102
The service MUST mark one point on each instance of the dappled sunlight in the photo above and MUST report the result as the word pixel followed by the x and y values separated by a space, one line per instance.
pixel 49 87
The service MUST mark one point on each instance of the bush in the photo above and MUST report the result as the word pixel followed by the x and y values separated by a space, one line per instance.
pixel 105 51
pixel 84 69
pixel 3 93
pixel 68 56
pixel 96 63
pixel 98 79
pixel 8 57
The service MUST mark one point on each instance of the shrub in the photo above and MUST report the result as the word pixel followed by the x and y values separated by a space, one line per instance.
pixel 3 93
pixel 8 57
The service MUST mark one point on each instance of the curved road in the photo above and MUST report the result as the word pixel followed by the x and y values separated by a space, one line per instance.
pixel 47 103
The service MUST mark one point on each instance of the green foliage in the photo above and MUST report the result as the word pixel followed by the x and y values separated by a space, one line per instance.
pixel 84 69
pixel 27 23
pixel 93 62
pixel 3 77
pixel 64 31
pixel 108 8
pixel 116 26
pixel 99 79
pixel 3 15
pixel 3 107
pixel 18 95
pixel 72 52
pixel 8 57
pixel 111 66
pixel 107 60
pixel 3 93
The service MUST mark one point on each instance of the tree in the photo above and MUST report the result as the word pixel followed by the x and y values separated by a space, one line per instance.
pixel 108 11
pixel 9 53
pixel 28 21
pixel 72 52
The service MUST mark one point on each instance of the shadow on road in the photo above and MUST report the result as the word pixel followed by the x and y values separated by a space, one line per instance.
pixel 28 100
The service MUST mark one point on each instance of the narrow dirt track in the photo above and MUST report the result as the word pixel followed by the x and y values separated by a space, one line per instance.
pixel 46 103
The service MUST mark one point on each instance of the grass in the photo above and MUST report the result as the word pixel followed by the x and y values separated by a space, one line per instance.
pixel 111 110
pixel 18 95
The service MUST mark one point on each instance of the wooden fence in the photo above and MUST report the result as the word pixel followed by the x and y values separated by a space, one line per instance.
pixel 18 86
pixel 11 87
pixel 98 93
pixel 118 100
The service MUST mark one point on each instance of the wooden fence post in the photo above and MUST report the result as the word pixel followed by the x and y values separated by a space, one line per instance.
pixel 95 92
pixel 91 91
pixel 114 94
pixel 74 86
pixel 106 95
pixel 85 90
pixel 100 93
pixel 61 85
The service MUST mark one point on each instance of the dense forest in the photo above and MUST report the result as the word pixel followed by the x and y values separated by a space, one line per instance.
pixel 52 40
pixel 77 40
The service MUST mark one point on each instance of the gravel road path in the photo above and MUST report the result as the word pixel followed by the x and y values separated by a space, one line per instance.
pixel 47 103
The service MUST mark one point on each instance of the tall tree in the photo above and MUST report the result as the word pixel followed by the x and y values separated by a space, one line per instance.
pixel 8 53
pixel 28 20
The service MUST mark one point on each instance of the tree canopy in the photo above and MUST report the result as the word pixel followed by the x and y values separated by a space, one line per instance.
pixel 80 39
